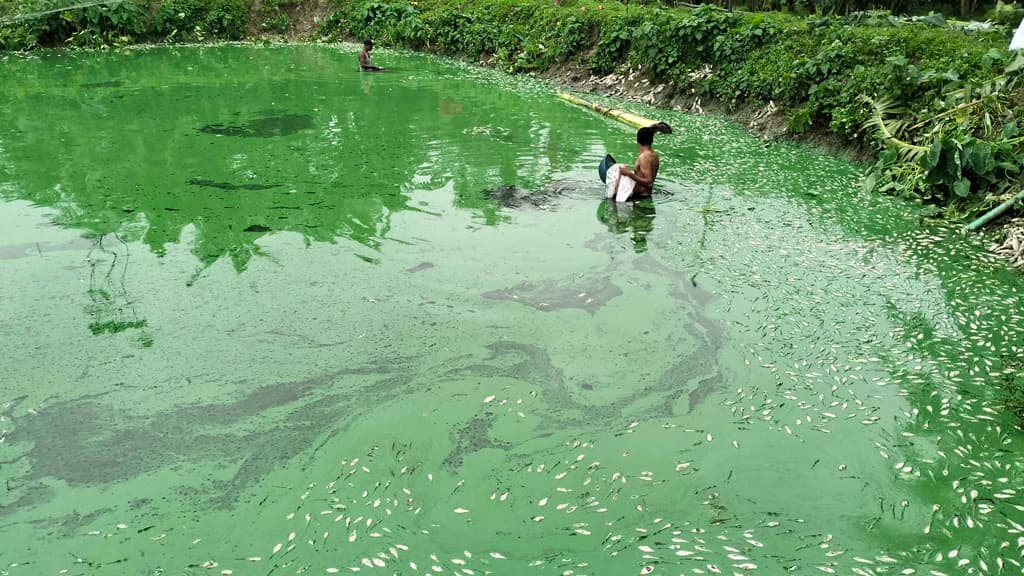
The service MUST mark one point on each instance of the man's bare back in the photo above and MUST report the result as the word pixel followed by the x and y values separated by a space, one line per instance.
pixel 647 164
pixel 646 168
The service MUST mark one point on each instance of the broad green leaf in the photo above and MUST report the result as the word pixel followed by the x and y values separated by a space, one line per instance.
pixel 1010 130
pixel 981 158
pixel 1017 63
pixel 994 54
pixel 962 187
pixel 870 181
pixel 931 160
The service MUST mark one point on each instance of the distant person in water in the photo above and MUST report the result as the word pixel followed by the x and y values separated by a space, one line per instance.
pixel 365 62
pixel 647 163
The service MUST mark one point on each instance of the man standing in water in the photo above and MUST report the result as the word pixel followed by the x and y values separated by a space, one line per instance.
pixel 365 63
pixel 647 163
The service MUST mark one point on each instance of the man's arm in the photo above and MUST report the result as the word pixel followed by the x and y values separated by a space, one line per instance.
pixel 643 165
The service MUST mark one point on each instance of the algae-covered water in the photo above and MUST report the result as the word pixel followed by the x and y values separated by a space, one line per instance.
pixel 259 315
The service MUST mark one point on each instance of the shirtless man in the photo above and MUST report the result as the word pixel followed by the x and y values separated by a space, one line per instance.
pixel 647 163
pixel 365 63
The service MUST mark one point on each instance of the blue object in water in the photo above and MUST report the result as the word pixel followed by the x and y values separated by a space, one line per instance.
pixel 602 168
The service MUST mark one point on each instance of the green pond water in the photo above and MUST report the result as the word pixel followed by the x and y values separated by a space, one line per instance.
pixel 259 316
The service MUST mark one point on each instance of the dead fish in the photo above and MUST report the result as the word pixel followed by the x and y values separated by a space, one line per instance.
pixel 420 267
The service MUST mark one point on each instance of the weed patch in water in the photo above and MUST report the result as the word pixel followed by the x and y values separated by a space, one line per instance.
pixel 81 441
pixel 515 197
pixel 472 437
pixel 228 186
pixel 115 326
pixel 266 127
pixel 589 293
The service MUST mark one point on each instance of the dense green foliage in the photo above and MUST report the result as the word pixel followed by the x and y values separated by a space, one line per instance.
pixel 966 149
pixel 115 23
pixel 963 8
pixel 818 69
pixel 39 23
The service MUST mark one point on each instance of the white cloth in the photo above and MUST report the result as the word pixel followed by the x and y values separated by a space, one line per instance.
pixel 1018 38
pixel 618 186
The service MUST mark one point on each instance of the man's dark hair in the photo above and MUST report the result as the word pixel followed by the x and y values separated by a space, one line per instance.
pixel 367 42
pixel 645 136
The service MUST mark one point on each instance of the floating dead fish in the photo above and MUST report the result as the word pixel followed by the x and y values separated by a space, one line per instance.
pixel 420 267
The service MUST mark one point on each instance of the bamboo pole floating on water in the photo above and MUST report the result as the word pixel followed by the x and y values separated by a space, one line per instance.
pixel 627 118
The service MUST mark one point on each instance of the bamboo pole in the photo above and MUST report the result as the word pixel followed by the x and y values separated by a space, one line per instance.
pixel 627 118
pixel 995 212
pixel 963 106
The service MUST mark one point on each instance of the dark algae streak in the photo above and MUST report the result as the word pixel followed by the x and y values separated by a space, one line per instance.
pixel 228 186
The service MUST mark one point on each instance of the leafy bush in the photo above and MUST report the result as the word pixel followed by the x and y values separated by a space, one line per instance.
pixel 967 151
pixel 90 26
pixel 18 37
pixel 200 19
pixel 278 23
pixel 274 15
pixel 1007 14
pixel 613 44
pixel 126 21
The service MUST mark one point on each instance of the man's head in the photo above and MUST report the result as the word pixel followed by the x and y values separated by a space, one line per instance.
pixel 368 44
pixel 645 136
